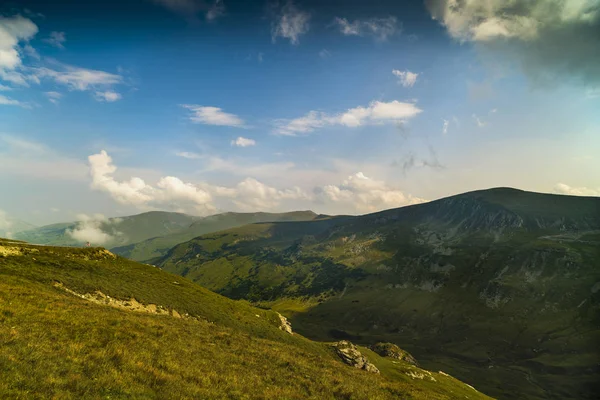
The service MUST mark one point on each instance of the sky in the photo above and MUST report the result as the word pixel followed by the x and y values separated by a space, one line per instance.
pixel 341 107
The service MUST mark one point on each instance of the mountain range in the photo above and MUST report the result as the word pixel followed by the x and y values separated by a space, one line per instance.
pixel 498 286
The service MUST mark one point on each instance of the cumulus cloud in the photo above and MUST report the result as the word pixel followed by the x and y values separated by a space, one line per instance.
pixel 359 193
pixel 172 193
pixel 407 78
pixel 376 112
pixel 191 8
pixel 12 31
pixel 289 23
pixel 243 142
pixel 562 188
pixel 56 39
pixel 551 39
pixel 212 116
pixel 108 96
pixel 96 229
pixel 379 28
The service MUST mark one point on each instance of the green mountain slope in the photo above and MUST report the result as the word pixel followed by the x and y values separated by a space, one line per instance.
pixel 158 246
pixel 86 324
pixel 122 230
pixel 501 286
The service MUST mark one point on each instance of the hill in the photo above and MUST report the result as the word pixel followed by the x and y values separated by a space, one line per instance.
pixel 11 226
pixel 84 323
pixel 158 246
pixel 501 286
pixel 118 231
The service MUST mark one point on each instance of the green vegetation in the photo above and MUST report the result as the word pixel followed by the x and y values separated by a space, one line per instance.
pixel 158 246
pixel 500 287
pixel 54 344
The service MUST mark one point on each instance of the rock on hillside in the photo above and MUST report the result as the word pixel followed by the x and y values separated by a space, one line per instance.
pixel 350 354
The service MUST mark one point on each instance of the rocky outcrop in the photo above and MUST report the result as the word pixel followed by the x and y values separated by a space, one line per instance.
pixel 285 326
pixel 350 354
pixel 392 351
pixel 130 305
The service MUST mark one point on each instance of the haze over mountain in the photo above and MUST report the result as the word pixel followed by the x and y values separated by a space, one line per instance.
pixel 499 285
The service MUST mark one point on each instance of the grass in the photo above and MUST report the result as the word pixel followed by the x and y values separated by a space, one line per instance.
pixel 56 345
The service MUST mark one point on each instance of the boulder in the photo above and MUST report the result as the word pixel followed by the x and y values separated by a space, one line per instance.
pixel 350 354
pixel 392 351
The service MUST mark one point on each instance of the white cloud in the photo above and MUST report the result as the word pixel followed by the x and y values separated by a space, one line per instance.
pixel 7 101
pixel 5 88
pixel 172 193
pixel 76 78
pixel 252 195
pixel 187 154
pixel 380 28
pixel 290 23
pixel 407 78
pixel 445 126
pixel 376 112
pixel 359 193
pixel 12 31
pixel 575 191
pixel 550 39
pixel 212 116
pixel 96 229
pixel 243 142
pixel 56 39
pixel 53 97
pixel 108 96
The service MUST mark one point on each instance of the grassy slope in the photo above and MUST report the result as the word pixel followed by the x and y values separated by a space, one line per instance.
pixel 53 344
pixel 476 284
pixel 158 246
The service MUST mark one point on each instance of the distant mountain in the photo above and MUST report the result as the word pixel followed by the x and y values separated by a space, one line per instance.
pixel 82 323
pixel 499 286
pixel 120 231
pixel 158 246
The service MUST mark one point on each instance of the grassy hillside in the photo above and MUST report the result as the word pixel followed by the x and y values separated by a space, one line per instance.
pixel 123 230
pixel 158 246
pixel 193 343
pixel 500 286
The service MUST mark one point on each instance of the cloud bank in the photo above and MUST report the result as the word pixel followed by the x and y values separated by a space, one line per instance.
pixel 551 39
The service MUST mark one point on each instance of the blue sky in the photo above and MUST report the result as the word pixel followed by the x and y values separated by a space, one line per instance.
pixel 262 106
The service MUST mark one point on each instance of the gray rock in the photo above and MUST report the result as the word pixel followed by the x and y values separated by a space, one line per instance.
pixel 350 355
pixel 392 351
